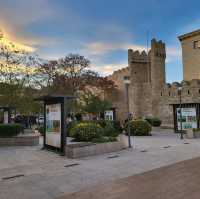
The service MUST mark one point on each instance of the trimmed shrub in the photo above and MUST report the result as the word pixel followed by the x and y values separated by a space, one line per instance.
pixel 154 121
pixel 70 125
pixel 109 130
pixel 139 128
pixel 117 126
pixel 10 130
pixel 104 139
pixel 41 130
pixel 102 123
pixel 85 131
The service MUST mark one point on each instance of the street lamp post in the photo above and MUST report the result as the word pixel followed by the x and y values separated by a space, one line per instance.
pixel 180 108
pixel 127 83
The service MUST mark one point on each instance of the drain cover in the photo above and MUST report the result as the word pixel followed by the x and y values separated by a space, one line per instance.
pixel 12 177
pixel 186 143
pixel 71 165
pixel 166 147
pixel 114 156
pixel 143 151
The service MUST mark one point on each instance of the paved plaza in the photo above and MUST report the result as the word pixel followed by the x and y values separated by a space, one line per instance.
pixel 178 181
pixel 29 172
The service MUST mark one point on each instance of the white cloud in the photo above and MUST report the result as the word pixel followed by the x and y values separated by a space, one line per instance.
pixel 107 69
pixel 173 53
pixel 100 48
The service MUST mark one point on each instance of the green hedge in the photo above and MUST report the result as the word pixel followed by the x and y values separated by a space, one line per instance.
pixel 109 130
pixel 85 131
pixel 10 130
pixel 139 127
pixel 41 130
pixel 154 121
pixel 104 139
pixel 115 124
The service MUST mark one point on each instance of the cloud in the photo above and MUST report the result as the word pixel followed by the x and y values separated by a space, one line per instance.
pixel 100 48
pixel 173 53
pixel 108 69
pixel 17 16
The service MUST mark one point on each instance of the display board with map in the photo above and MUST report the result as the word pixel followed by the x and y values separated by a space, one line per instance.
pixel 188 118
pixel 53 125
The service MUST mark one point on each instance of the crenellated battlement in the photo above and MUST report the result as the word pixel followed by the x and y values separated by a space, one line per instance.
pixel 158 48
pixel 120 72
pixel 137 56
pixel 190 90
pixel 184 84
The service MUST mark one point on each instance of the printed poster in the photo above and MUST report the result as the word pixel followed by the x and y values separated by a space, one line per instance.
pixel 53 125
pixel 189 118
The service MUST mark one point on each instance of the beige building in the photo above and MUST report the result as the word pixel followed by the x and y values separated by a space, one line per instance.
pixel 190 43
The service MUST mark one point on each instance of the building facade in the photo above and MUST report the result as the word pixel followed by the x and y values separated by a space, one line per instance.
pixel 190 43
pixel 148 93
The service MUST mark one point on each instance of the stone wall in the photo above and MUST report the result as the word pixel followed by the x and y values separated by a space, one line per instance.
pixel 119 101
pixel 22 140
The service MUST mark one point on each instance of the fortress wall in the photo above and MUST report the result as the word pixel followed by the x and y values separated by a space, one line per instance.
pixel 149 95
pixel 120 101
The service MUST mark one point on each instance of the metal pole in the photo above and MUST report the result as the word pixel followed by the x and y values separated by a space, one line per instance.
pixel 181 116
pixel 129 130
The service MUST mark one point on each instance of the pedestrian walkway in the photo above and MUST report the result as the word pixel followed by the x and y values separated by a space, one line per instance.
pixel 178 181
pixel 29 172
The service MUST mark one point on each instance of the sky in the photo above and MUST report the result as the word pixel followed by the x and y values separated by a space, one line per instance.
pixel 101 30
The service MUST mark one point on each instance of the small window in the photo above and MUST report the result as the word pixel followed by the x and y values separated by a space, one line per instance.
pixel 196 44
pixel 188 92
pixel 161 94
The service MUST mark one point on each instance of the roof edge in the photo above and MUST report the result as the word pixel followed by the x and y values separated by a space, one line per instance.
pixel 188 35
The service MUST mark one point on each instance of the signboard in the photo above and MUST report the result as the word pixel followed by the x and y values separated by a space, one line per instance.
pixel 189 118
pixel 5 116
pixel 108 115
pixel 53 125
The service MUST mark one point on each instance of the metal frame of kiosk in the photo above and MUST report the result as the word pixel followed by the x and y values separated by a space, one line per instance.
pixel 8 110
pixel 61 103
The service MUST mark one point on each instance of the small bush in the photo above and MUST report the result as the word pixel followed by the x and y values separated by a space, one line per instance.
pixel 41 130
pixel 102 123
pixel 109 130
pixel 86 131
pixel 154 121
pixel 104 139
pixel 10 130
pixel 117 126
pixel 139 127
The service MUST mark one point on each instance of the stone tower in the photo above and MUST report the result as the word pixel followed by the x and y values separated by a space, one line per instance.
pixel 157 56
pixel 139 64
pixel 147 75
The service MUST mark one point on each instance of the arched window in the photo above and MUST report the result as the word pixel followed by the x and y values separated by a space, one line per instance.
pixel 188 92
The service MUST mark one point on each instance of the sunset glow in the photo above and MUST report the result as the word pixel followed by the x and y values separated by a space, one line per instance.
pixel 14 46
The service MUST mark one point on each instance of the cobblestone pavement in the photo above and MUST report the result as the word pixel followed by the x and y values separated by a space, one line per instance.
pixel 178 181
pixel 30 173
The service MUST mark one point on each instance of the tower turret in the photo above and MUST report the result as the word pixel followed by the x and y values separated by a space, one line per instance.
pixel 158 56
pixel 139 77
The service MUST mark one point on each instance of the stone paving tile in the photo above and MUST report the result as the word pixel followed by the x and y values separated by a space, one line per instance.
pixel 178 181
